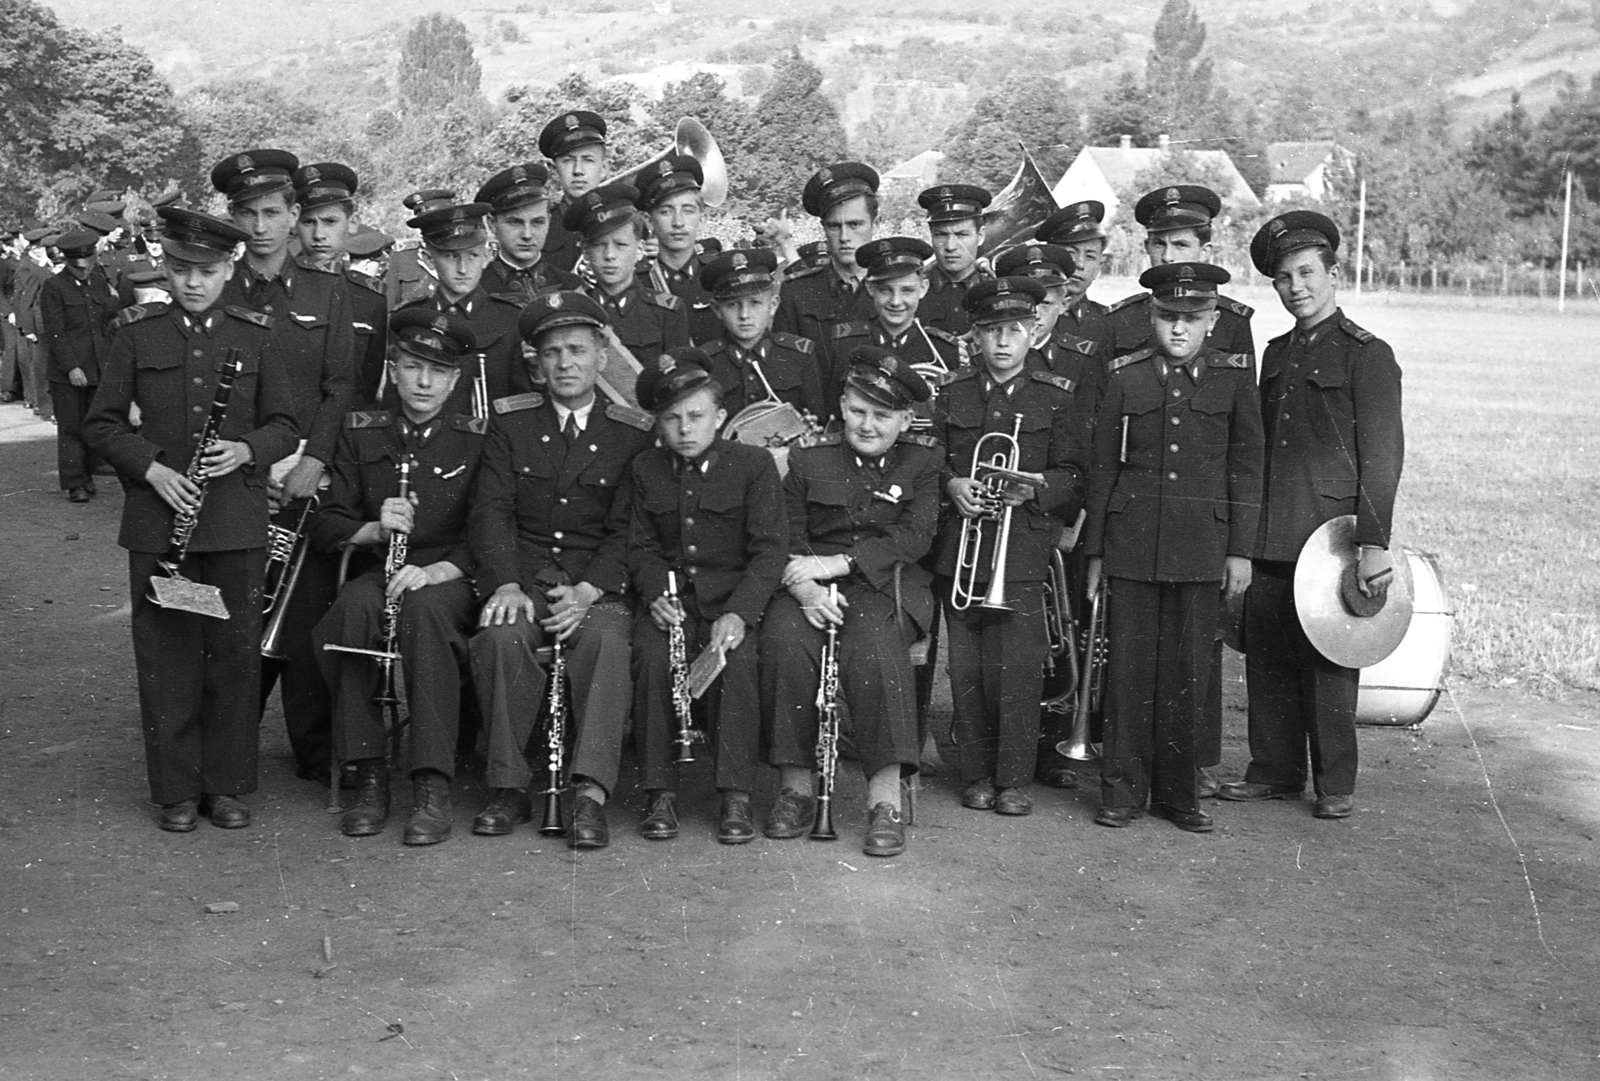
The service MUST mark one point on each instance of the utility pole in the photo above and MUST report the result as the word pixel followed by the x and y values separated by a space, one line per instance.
pixel 1361 234
pixel 1566 232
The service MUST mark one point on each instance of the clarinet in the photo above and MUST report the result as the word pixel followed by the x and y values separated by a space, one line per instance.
pixel 183 525
pixel 392 564
pixel 678 662
pixel 556 739
pixel 827 729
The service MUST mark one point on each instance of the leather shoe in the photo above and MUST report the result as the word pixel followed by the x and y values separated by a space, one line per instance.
pixel 507 808
pixel 1334 806
pixel 1055 770
pixel 1013 801
pixel 430 808
pixel 179 817
pixel 1206 783
pixel 886 833
pixel 225 812
pixel 979 796
pixel 790 816
pixel 1192 821
pixel 1117 817
pixel 735 827
pixel 589 829
pixel 660 821
pixel 1256 791
pixel 79 495
pixel 371 809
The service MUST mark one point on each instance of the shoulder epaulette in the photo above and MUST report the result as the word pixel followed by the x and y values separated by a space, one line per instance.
pixel 795 342
pixel 1086 346
pixel 466 423
pixel 365 281
pixel 940 334
pixel 1060 382
pixel 851 330
pixel 513 299
pixel 1132 358
pixel 313 266
pixel 960 375
pixel 796 271
pixel 1244 311
pixel 1359 333
pixel 258 318
pixel 711 349
pixel 627 414
pixel 920 439
pixel 1228 360
pixel 669 301
pixel 830 439
pixel 368 418
pixel 515 403
pixel 133 313
pixel 1127 302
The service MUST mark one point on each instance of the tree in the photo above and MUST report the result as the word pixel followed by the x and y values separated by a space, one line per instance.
pixel 1124 110
pixel 1508 153
pixel 983 147
pixel 515 137
pixel 798 130
pixel 436 63
pixel 1177 79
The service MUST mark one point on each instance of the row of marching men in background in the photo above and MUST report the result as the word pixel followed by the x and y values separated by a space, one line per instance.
pixel 992 654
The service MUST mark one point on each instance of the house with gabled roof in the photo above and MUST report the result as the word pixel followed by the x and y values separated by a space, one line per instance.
pixel 1099 172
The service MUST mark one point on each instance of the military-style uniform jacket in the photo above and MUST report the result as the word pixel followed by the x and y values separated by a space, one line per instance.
pixel 718 522
pixel 647 323
pixel 943 306
pixel 543 507
pixel 409 278
pixel 814 299
pixel 445 453
pixel 1330 402
pixel 523 284
pixel 315 333
pixel 883 513
pixel 1175 474
pixel 1051 442
pixel 1088 319
pixel 654 276
pixel 561 248
pixel 1080 359
pixel 493 320
pixel 369 318
pixel 165 361
pixel 920 344
pixel 1129 321
pixel 76 321
pixel 25 290
pixel 789 364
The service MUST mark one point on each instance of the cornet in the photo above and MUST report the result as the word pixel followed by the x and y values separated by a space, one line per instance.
pixel 999 469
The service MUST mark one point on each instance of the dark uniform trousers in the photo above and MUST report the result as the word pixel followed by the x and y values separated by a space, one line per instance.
pixel 307 701
pixel 996 662
pixel 514 688
pixel 198 678
pixel 731 704
pixel 876 685
pixel 75 462
pixel 1297 696
pixel 435 623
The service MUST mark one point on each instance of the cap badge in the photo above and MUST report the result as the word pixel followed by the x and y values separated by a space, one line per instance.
pixel 739 261
pixel 246 163
pixel 666 363
pixel 1276 227
pixel 553 301
pixel 664 168
pixel 1081 210
pixel 1034 254
pixel 518 174
pixel 312 174
pixel 570 121
pixel 1186 271
pixel 1172 195
pixel 825 176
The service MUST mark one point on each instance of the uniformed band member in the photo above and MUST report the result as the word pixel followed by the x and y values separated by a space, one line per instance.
pixel 751 361
pixel 519 216
pixel 1077 228
pixel 575 143
pixel 550 534
pixel 669 195
pixel 1174 499
pixel 612 231
pixel 863 509
pixel 76 307
pixel 198 675
pixel 955 224
pixel 996 657
pixel 457 247
pixel 896 282
pixel 710 513
pixel 315 340
pixel 433 587
pixel 410 275
pixel 1064 351
pixel 1335 444
pixel 845 197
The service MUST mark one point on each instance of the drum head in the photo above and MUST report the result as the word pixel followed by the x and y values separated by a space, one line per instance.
pixel 1343 638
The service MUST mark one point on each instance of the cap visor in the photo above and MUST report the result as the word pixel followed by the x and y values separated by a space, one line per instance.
pixel 193 253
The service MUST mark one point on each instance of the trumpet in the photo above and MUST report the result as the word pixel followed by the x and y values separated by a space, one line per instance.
pixel 827 729
pixel 678 663
pixel 1091 681
pixel 286 554
pixel 556 739
pixel 993 473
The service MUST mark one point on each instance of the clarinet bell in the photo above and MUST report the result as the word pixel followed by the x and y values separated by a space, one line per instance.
pixel 552 814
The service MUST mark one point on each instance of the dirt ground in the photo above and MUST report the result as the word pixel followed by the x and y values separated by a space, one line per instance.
pixel 1446 931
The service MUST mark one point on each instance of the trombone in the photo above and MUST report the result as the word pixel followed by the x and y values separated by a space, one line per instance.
pixel 1004 450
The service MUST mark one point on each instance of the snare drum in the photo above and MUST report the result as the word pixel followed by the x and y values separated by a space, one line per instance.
pixel 1403 688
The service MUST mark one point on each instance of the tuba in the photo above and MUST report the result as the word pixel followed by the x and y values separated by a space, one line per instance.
pixel 690 138
pixel 1018 209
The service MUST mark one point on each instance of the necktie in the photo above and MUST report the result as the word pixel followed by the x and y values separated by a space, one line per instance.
pixel 570 429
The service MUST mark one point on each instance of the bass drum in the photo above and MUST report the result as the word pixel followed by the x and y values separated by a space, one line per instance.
pixel 1403 688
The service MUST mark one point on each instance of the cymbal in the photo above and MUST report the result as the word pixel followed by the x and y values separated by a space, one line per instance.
pixel 1343 638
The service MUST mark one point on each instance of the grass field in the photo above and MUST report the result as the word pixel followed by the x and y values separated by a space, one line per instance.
pixel 1502 474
